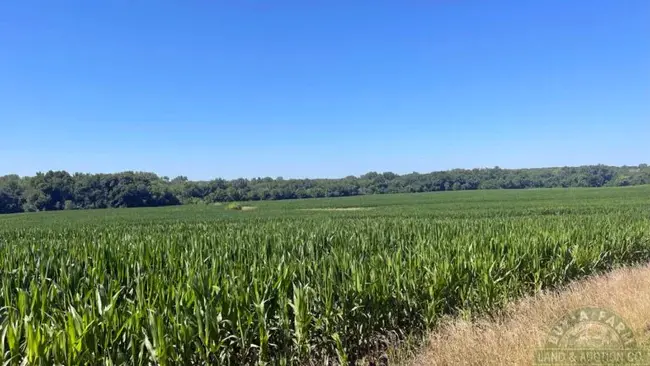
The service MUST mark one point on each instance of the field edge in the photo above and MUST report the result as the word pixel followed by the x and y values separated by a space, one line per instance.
pixel 512 337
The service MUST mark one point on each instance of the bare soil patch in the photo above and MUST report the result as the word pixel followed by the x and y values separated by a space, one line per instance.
pixel 338 209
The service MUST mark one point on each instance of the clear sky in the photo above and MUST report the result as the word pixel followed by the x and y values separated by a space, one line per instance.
pixel 313 88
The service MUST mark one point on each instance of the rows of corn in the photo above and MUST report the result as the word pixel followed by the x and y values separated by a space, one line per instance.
pixel 299 290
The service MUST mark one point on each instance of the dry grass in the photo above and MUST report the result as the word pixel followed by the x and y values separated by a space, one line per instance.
pixel 514 338
pixel 248 208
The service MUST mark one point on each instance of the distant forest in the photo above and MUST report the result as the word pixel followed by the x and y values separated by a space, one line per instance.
pixel 59 190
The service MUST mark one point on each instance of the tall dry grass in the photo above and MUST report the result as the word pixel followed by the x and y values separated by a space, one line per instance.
pixel 513 338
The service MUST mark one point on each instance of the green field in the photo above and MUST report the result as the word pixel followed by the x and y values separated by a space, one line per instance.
pixel 294 282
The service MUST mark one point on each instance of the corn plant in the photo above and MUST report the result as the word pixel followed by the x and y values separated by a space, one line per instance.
pixel 194 286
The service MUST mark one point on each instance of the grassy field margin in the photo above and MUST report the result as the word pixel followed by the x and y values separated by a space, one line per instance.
pixel 512 337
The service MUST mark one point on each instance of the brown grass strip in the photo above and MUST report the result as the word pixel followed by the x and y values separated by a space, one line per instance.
pixel 513 338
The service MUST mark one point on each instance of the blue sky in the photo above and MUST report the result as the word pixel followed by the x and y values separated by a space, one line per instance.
pixel 321 88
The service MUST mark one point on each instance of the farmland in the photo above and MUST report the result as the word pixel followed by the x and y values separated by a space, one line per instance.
pixel 297 281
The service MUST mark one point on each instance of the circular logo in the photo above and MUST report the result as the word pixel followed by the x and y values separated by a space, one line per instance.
pixel 591 336
pixel 588 328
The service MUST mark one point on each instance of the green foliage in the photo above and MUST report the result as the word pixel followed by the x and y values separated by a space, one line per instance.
pixel 11 194
pixel 50 191
pixel 202 285
pixel 234 206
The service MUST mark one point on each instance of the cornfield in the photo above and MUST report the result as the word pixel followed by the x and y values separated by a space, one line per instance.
pixel 283 285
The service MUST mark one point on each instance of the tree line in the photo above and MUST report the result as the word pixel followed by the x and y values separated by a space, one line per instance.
pixel 59 190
